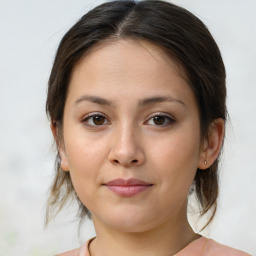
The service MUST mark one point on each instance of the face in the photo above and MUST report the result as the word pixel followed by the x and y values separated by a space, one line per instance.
pixel 131 135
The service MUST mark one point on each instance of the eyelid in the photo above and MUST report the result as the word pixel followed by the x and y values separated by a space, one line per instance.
pixel 162 114
pixel 93 114
pixel 87 116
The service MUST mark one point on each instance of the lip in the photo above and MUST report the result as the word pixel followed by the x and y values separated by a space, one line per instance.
pixel 127 188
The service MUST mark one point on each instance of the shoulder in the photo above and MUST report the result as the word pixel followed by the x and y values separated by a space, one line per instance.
pixel 213 248
pixel 83 250
pixel 74 252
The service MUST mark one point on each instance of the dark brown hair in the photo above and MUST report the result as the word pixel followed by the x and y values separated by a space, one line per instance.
pixel 182 36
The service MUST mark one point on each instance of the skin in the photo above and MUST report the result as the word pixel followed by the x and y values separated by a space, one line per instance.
pixel 129 143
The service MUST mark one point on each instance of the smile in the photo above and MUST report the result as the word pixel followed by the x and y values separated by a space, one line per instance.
pixel 127 188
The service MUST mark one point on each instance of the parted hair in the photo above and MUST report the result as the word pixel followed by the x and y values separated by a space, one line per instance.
pixel 183 37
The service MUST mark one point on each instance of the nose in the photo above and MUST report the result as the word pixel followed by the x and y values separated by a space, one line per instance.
pixel 126 149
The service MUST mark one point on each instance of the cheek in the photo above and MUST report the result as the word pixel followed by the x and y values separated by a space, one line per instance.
pixel 85 156
pixel 84 173
pixel 84 150
pixel 82 156
pixel 176 160
pixel 175 163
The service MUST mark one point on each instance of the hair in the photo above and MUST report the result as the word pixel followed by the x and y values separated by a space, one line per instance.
pixel 176 31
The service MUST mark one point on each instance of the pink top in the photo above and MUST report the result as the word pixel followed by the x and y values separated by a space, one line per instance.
pixel 200 247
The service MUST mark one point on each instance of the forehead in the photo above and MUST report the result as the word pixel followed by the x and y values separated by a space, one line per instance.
pixel 126 66
pixel 118 54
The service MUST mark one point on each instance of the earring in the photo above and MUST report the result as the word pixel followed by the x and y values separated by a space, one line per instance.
pixel 205 162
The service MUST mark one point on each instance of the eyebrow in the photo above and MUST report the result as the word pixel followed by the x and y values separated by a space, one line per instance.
pixel 94 99
pixel 142 102
pixel 158 99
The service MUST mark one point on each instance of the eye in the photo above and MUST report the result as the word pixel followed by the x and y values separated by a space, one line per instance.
pixel 160 119
pixel 95 119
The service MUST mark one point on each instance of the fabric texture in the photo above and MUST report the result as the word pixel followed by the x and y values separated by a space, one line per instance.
pixel 208 247
pixel 200 247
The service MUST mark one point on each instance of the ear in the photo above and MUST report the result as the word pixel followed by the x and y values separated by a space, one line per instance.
pixel 212 144
pixel 60 146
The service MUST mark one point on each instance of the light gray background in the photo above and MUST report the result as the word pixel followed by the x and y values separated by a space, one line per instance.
pixel 30 31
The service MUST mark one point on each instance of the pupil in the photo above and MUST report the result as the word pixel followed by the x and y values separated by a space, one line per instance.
pixel 159 120
pixel 98 120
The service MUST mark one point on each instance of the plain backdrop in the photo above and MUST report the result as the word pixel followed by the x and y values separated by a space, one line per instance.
pixel 30 31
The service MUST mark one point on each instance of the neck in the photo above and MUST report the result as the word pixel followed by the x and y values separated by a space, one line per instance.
pixel 165 240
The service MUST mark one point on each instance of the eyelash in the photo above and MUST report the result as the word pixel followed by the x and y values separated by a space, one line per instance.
pixel 92 115
pixel 169 119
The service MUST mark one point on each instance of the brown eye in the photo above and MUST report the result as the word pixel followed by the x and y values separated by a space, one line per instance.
pixel 98 120
pixel 159 120
pixel 95 120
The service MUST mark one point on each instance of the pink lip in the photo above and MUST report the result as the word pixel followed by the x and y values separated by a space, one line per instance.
pixel 127 188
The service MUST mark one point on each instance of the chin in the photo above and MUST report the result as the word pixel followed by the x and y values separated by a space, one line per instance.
pixel 128 221
pixel 130 226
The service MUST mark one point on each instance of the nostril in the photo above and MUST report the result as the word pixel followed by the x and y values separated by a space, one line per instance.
pixel 125 163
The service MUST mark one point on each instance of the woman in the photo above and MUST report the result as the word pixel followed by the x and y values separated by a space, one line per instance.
pixel 136 99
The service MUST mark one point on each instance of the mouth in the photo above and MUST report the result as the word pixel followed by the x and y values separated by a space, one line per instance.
pixel 127 188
